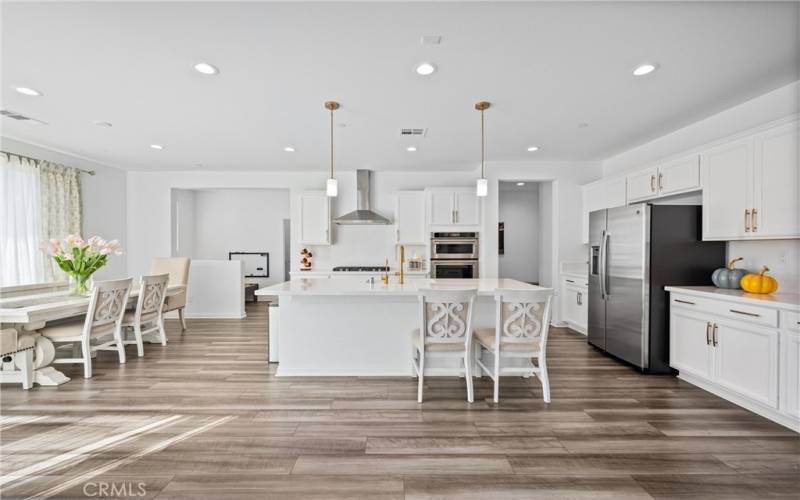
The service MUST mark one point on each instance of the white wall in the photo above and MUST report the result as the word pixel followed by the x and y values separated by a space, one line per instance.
pixel 782 256
pixel 216 289
pixel 103 194
pixel 149 199
pixel 242 220
pixel 547 260
pixel 183 223
pixel 519 211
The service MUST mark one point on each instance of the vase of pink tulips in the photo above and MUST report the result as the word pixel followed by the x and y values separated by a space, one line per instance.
pixel 80 258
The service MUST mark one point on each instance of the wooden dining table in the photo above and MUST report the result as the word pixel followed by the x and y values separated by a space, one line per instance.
pixel 29 312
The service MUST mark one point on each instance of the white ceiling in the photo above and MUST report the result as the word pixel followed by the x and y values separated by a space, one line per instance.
pixel 544 66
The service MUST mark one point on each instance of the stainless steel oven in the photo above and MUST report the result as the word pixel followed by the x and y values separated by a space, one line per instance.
pixel 451 268
pixel 462 246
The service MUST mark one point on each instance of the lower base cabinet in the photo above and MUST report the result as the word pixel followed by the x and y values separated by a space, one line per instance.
pixel 753 365
pixel 574 300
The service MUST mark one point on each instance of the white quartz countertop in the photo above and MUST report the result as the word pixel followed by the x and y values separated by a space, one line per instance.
pixel 777 300
pixel 485 286
pixel 318 271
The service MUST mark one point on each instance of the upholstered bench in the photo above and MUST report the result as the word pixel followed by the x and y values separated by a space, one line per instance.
pixel 17 351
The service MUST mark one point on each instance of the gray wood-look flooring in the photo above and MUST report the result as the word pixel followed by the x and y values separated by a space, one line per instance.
pixel 206 418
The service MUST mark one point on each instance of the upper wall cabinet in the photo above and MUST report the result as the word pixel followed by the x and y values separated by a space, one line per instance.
pixel 315 218
pixel 409 218
pixel 454 207
pixel 599 195
pixel 675 177
pixel 750 187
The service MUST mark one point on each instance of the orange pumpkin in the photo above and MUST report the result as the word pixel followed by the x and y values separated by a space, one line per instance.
pixel 759 283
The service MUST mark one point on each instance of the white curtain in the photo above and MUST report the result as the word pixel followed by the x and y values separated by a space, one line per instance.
pixel 21 261
pixel 40 201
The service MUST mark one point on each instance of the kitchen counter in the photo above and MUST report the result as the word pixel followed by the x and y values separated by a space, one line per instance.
pixel 778 300
pixel 347 327
pixel 485 286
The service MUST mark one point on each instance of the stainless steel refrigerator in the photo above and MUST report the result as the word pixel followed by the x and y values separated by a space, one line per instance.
pixel 634 252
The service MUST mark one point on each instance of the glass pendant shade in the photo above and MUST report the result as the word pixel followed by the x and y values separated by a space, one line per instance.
pixel 332 188
pixel 482 187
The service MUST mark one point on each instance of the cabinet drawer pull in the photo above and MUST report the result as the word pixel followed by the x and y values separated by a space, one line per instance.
pixel 708 333
pixel 660 182
pixel 714 335
pixel 747 220
pixel 652 183
pixel 745 313
pixel 685 302
pixel 580 298
pixel 569 281
pixel 754 219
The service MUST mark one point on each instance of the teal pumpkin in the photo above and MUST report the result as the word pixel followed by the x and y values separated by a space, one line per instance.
pixel 728 277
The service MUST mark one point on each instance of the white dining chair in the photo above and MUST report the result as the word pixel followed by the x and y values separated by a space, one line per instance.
pixel 146 317
pixel 522 323
pixel 103 319
pixel 445 331
pixel 178 270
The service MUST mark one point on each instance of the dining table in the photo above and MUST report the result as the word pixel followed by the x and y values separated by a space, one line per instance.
pixel 27 309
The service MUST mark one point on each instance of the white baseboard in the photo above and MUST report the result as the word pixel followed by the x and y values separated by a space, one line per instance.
pixel 214 316
pixel 746 403
pixel 311 372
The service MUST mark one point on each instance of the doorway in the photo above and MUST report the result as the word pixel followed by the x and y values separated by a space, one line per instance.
pixel 525 231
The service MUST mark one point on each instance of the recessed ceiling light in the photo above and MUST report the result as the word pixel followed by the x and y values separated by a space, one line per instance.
pixel 156 146
pixel 28 91
pixel 426 69
pixel 411 149
pixel 533 148
pixel 520 184
pixel 206 69
pixel 103 124
pixel 644 69
pixel 289 149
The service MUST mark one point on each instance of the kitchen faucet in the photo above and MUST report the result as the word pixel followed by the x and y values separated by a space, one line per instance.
pixel 401 273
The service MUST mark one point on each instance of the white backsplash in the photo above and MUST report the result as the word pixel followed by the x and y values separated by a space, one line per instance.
pixel 781 256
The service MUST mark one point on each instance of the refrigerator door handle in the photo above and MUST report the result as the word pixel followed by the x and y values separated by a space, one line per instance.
pixel 604 265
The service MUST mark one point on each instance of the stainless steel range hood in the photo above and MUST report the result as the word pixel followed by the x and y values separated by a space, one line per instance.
pixel 363 215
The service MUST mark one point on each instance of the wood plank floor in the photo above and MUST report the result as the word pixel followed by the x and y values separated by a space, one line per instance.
pixel 206 418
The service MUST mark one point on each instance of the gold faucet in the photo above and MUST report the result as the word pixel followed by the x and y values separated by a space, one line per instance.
pixel 385 277
pixel 402 264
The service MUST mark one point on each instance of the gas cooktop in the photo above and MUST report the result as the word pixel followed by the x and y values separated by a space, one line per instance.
pixel 362 269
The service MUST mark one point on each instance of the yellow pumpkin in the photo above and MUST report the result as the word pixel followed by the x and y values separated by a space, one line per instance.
pixel 759 283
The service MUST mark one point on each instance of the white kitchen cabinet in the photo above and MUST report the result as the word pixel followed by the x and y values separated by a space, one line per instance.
pixel 679 176
pixel 454 207
pixel 727 172
pixel 667 179
pixel 441 208
pixel 608 193
pixel 789 378
pixel 574 303
pixel 746 360
pixel 467 207
pixel 776 202
pixel 750 187
pixel 409 218
pixel 642 185
pixel 731 346
pixel 315 218
pixel 690 344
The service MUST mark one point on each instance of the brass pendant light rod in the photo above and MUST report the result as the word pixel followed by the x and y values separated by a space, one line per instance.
pixel 331 106
pixel 482 106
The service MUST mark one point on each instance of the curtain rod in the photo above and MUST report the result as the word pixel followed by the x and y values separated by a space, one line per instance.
pixel 36 160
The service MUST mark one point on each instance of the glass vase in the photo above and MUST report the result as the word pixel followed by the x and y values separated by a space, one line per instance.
pixel 80 284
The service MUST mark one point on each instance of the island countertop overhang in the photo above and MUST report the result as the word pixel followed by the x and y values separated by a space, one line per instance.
pixel 350 287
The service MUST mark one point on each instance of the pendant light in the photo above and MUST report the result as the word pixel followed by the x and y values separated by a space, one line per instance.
pixel 482 187
pixel 332 188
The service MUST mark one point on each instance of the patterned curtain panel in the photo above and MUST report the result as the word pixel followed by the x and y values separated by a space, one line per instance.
pixel 60 199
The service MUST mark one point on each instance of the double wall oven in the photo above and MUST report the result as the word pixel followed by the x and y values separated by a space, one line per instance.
pixel 454 255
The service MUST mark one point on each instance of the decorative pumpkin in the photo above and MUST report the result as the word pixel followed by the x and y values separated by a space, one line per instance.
pixel 759 283
pixel 728 277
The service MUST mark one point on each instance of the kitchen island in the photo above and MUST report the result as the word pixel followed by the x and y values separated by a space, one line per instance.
pixel 348 327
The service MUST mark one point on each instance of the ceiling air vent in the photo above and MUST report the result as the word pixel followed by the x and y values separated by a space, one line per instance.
pixel 19 117
pixel 413 131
